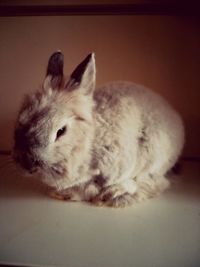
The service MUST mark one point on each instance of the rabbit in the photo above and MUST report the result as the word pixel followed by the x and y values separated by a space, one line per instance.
pixel 110 146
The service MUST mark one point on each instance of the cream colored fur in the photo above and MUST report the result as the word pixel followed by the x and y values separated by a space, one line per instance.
pixel 121 140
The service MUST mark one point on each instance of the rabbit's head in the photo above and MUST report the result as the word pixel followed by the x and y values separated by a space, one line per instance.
pixel 54 129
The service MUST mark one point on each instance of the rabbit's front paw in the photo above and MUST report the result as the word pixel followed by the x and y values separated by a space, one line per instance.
pixel 114 196
pixel 60 195
pixel 91 190
pixel 71 194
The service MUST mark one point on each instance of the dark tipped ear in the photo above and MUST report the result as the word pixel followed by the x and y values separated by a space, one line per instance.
pixel 54 75
pixel 84 76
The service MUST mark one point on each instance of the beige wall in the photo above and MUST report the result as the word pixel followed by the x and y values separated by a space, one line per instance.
pixel 161 52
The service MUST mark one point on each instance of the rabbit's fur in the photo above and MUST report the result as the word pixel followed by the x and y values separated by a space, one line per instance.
pixel 112 145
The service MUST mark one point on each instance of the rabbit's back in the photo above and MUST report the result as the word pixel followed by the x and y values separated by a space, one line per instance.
pixel 135 129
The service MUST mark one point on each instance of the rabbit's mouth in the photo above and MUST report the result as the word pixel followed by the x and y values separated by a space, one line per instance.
pixel 55 171
pixel 58 169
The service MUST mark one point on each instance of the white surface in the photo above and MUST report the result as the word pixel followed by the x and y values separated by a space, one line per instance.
pixel 37 230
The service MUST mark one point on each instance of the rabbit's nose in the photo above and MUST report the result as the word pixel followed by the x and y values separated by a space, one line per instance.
pixel 29 163
pixel 34 167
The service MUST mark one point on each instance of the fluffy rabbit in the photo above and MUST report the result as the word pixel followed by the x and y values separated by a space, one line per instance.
pixel 112 145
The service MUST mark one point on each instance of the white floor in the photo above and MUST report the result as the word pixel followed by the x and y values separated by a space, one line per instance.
pixel 38 231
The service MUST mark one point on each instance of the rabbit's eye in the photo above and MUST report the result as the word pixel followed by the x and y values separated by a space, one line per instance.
pixel 61 132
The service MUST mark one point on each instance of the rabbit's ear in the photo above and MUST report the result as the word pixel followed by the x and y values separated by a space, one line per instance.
pixel 84 76
pixel 54 75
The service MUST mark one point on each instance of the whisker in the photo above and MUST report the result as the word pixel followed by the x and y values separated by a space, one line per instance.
pixel 7 158
pixel 8 167
pixel 6 164
pixel 5 152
